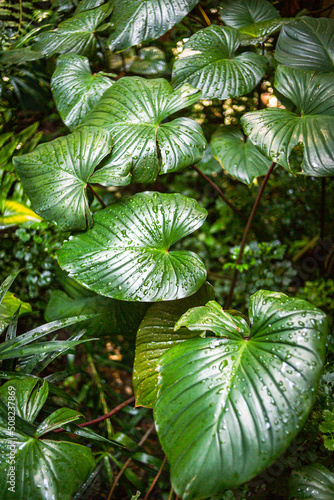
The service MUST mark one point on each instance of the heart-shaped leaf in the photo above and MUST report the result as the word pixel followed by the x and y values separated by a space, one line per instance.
pixel 136 21
pixel 155 336
pixel 43 468
pixel 76 34
pixel 209 62
pixel 126 254
pixel 228 406
pixel 240 13
pixel 55 176
pixel 239 158
pixel 307 44
pixel 75 90
pixel 276 132
pixel 132 110
pixel 312 481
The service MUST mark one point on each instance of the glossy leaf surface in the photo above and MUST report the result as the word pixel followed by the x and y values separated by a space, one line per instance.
pixel 240 13
pixel 155 336
pixel 150 61
pixel 136 20
pixel 55 176
pixel 132 110
pixel 75 35
pixel 75 89
pixel 239 158
pixel 313 481
pixel 209 62
pixel 8 306
pixel 259 32
pixel 307 44
pixel 276 132
pixel 61 466
pixel 229 406
pixel 126 254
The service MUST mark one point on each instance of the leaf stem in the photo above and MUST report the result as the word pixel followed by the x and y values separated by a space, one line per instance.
pixel 128 461
pixel 109 414
pixel 245 235
pixel 220 192
pixel 155 479
pixel 97 196
pixel 204 15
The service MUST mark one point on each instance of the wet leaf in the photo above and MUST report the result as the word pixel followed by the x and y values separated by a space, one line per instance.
pixel 75 90
pixel 276 132
pixel 155 336
pixel 136 21
pixel 126 255
pixel 240 13
pixel 210 63
pixel 150 61
pixel 8 306
pixel 132 110
pixel 259 32
pixel 312 481
pixel 55 176
pixel 75 35
pixel 228 406
pixel 239 158
pixel 307 44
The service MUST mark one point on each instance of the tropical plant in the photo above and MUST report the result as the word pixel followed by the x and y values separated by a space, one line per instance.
pixel 229 392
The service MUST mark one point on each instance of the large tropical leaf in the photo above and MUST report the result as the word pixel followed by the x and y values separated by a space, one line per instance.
pixel 75 35
pixel 155 336
pixel 239 158
pixel 132 110
pixel 312 481
pixel 277 132
pixel 240 13
pixel 307 44
pixel 136 21
pixel 209 62
pixel 126 254
pixel 55 176
pixel 228 406
pixel 75 90
pixel 44 468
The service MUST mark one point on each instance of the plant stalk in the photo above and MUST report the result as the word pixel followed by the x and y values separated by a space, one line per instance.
pixel 155 479
pixel 245 235
pixel 97 196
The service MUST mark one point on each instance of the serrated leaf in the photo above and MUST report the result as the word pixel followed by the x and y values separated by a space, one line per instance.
pixel 312 481
pixel 126 254
pixel 209 62
pixel 75 89
pixel 132 111
pixel 228 406
pixel 136 21
pixel 75 35
pixel 276 132
pixel 16 213
pixel 155 336
pixel 55 176
pixel 307 44
pixel 240 13
pixel 8 306
pixel 239 158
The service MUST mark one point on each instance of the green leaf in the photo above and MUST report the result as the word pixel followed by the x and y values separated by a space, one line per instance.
pixel 126 254
pixel 56 173
pixel 240 13
pixel 259 32
pixel 87 5
pixel 155 336
pixel 149 62
pixel 136 21
pixel 132 110
pixel 277 132
pixel 29 397
pixel 16 213
pixel 208 163
pixel 75 35
pixel 5 286
pixel 312 481
pixel 209 62
pixel 111 317
pixel 18 56
pixel 58 419
pixel 229 406
pixel 75 90
pixel 239 158
pixel 307 44
pixel 8 306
